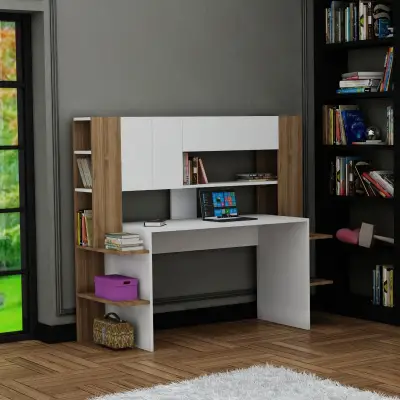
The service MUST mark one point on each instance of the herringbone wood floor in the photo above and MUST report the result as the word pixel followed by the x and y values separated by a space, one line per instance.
pixel 353 352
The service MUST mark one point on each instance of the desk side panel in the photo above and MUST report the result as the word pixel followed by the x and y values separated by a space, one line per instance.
pixel 141 317
pixel 283 274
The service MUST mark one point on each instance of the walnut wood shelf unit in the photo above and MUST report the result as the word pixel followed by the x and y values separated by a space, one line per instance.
pixel 100 139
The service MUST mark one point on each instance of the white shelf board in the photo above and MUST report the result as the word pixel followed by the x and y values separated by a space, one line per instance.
pixel 82 152
pixel 231 184
pixel 77 119
pixel 83 190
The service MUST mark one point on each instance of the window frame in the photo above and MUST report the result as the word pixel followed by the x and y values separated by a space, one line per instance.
pixel 25 148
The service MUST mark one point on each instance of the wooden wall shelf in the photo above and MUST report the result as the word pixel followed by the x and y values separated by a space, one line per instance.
pixel 115 252
pixel 83 190
pixel 318 236
pixel 131 303
pixel 320 282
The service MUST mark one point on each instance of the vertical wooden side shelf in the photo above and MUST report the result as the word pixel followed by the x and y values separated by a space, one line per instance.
pixel 98 138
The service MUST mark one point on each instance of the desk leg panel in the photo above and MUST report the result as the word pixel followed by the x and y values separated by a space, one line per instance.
pixel 283 274
pixel 141 317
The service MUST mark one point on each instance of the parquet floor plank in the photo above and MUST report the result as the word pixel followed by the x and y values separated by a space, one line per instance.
pixel 353 352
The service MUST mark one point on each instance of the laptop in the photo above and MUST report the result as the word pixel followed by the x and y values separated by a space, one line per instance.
pixel 220 206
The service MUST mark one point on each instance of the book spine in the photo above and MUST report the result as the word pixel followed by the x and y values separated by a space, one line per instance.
pixel 378 281
pixel 361 20
pixel 355 22
pixel 356 90
pixel 343 176
pixel 385 296
pixel 352 188
pixel 391 288
pixel 370 31
pixel 195 170
pixel 332 184
pixel 81 172
pixel 337 176
pixel 374 287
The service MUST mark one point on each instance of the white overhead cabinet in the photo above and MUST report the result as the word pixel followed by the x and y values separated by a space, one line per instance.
pixel 152 147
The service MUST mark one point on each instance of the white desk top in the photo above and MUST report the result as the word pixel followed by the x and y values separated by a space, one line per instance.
pixel 199 224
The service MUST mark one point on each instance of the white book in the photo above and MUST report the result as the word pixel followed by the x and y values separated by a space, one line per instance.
pixel 87 172
pixel 82 172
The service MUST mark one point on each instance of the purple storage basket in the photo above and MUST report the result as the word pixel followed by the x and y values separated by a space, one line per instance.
pixel 116 287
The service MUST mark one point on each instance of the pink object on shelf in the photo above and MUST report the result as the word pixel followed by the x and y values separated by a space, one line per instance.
pixel 116 287
pixel 348 236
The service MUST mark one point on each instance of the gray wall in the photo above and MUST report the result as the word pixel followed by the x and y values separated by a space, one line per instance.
pixel 175 57
pixel 150 57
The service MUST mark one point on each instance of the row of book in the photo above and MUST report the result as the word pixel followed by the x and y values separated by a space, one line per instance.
pixel 382 286
pixel 123 241
pixel 84 228
pixel 352 21
pixel 351 176
pixel 361 82
pixel 343 125
pixel 194 172
pixel 85 171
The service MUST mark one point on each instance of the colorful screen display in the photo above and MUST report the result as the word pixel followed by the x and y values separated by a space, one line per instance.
pixel 219 204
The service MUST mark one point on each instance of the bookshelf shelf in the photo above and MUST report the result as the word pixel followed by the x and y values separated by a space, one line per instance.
pixel 338 97
pixel 132 303
pixel 115 252
pixel 320 282
pixel 360 44
pixel 232 184
pixel 357 147
pixel 82 152
pixel 319 236
pixel 83 190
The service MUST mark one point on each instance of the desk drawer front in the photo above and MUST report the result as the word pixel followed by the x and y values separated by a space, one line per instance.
pixel 205 239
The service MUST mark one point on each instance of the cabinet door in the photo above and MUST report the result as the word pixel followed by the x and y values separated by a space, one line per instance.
pixel 136 154
pixel 167 153
pixel 230 133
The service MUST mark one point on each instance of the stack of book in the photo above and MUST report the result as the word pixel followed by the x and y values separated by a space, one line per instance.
pixel 85 171
pixel 357 20
pixel 84 231
pixel 194 172
pixel 123 241
pixel 350 176
pixel 382 286
pixel 360 82
pixel 343 125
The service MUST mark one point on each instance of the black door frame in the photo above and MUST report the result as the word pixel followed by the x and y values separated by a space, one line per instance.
pixel 26 176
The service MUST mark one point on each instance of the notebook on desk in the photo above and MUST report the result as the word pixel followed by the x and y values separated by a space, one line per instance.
pixel 220 206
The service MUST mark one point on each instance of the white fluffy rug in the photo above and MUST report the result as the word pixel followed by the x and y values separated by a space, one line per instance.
pixel 255 383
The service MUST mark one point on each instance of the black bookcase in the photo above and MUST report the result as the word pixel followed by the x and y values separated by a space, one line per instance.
pixel 350 267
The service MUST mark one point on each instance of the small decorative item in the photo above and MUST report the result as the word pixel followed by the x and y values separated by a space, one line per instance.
pixel 382 20
pixel 112 332
pixel 373 133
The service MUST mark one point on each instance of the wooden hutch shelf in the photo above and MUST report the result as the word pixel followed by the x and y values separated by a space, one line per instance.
pixel 131 303
pixel 114 252
pixel 320 282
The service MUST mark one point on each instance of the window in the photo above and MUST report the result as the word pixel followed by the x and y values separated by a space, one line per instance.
pixel 17 259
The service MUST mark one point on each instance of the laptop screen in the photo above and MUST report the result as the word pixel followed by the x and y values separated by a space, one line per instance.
pixel 218 204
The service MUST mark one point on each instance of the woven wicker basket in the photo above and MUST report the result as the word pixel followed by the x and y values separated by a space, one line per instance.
pixel 112 332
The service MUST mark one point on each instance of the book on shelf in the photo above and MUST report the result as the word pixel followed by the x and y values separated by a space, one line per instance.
pixel 194 172
pixel 350 176
pixel 256 176
pixel 360 82
pixel 389 126
pixel 123 241
pixel 349 21
pixel 84 228
pixel 343 124
pixel 155 223
pixel 386 82
pixel 85 171
pixel 382 285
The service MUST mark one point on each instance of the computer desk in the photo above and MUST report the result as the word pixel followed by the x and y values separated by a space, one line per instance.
pixel 283 265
